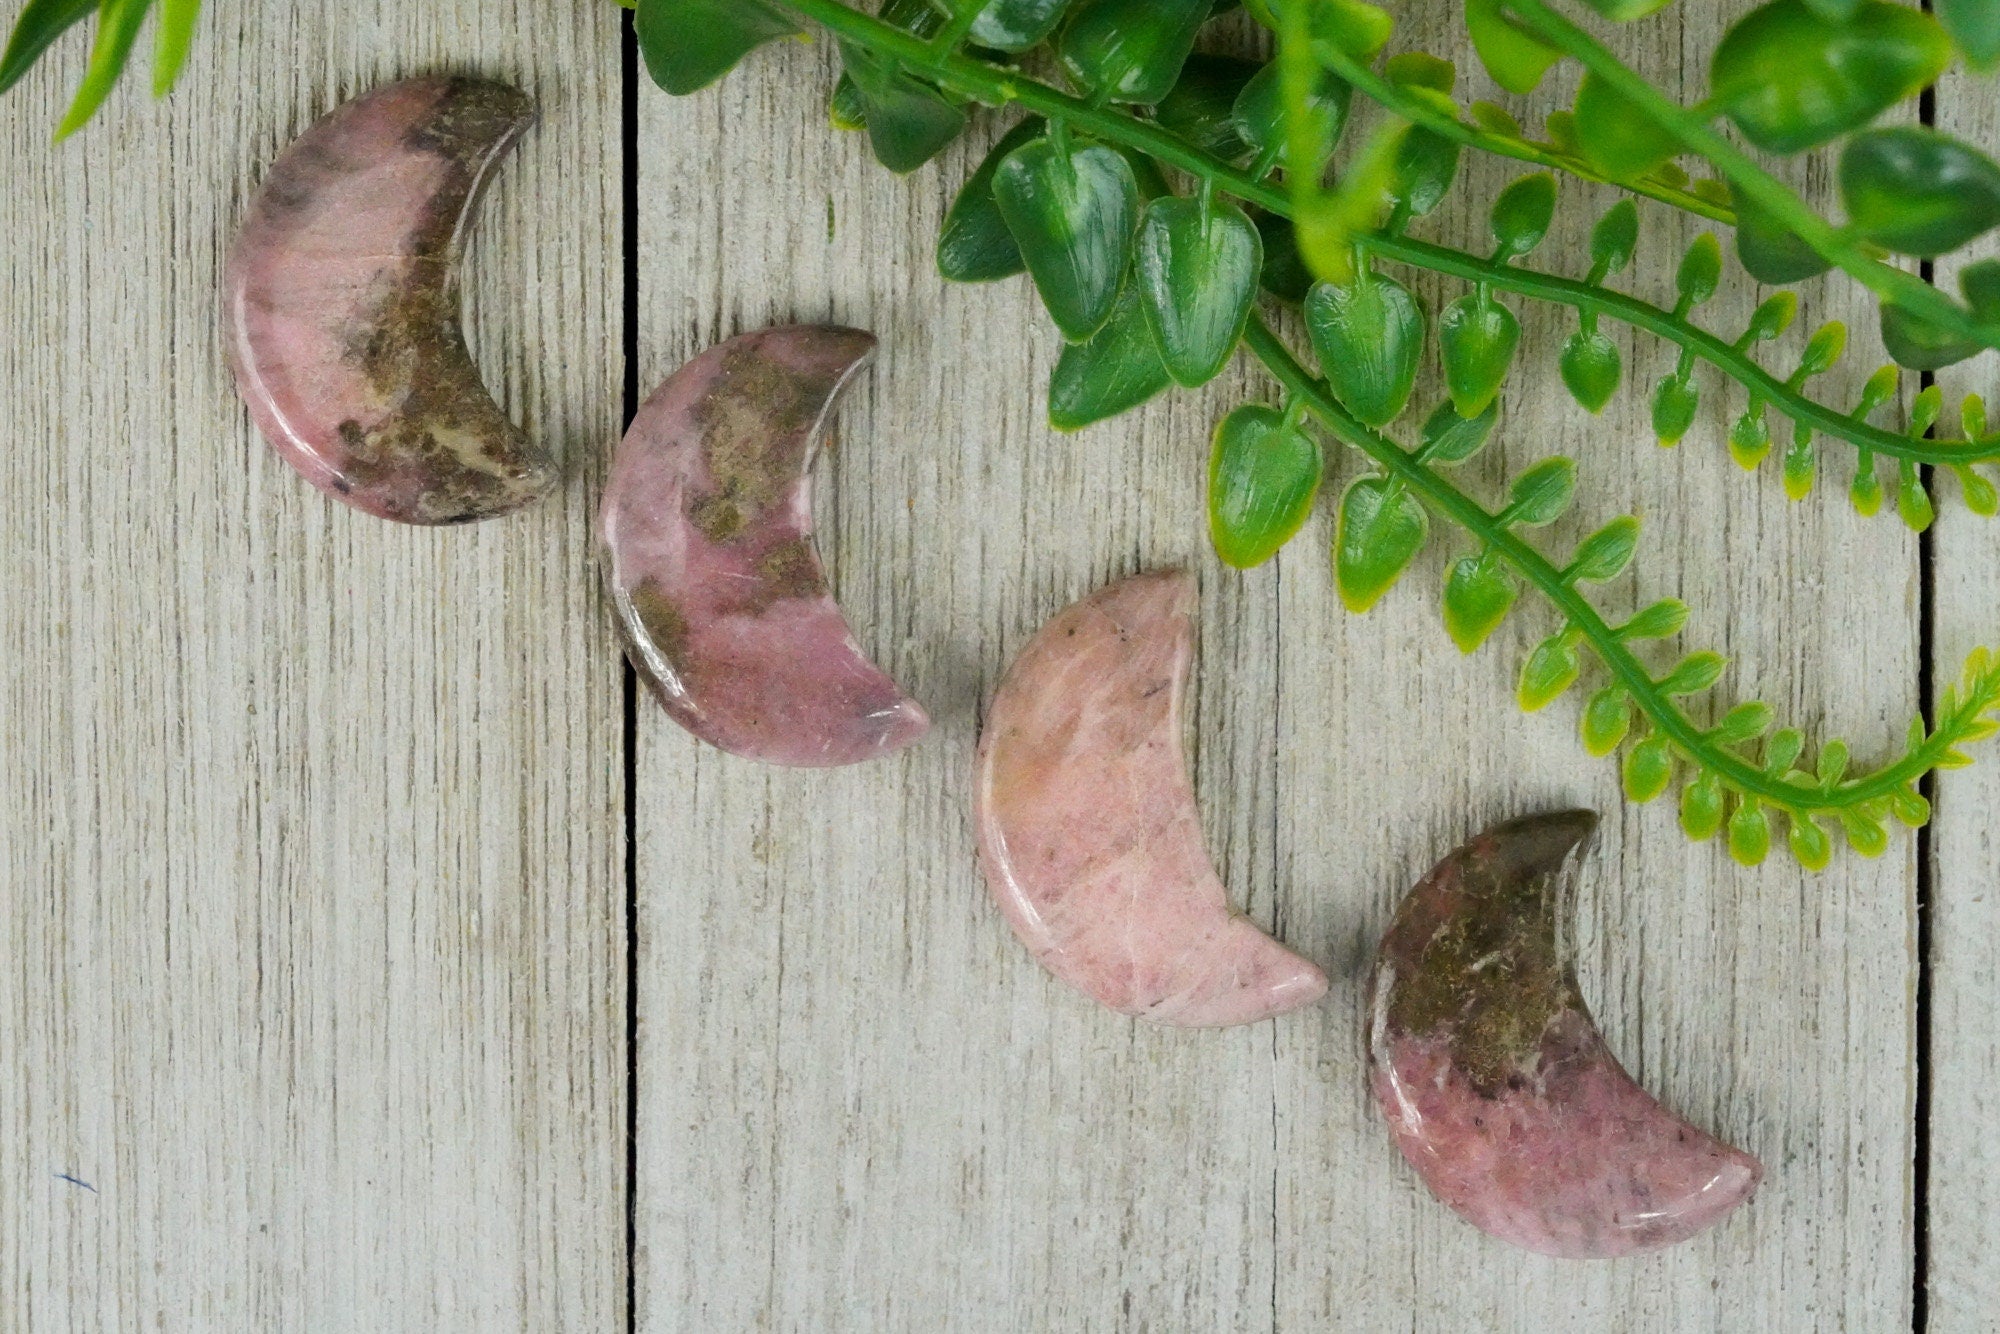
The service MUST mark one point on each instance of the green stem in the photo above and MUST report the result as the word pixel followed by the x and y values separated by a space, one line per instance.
pixel 1421 111
pixel 1630 673
pixel 953 34
pixel 1690 127
pixel 996 87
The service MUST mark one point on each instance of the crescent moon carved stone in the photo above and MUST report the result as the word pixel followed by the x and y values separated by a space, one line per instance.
pixel 1495 1081
pixel 1088 830
pixel 341 306
pixel 721 596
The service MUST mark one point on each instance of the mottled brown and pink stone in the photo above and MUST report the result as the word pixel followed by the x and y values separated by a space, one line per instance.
pixel 1088 830
pixel 1493 1077
pixel 707 522
pixel 341 306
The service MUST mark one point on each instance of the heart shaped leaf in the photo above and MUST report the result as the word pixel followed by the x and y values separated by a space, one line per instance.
pixel 909 122
pixel 1198 269
pixel 1260 111
pixel 1263 475
pixel 1072 212
pixel 1591 367
pixel 1382 527
pixel 1478 594
pixel 1369 337
pixel 1476 338
pixel 1129 50
pixel 689 44
pixel 1118 367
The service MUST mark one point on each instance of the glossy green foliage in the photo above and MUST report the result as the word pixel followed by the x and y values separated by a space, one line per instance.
pixel 1129 50
pixel 1382 527
pixel 1016 25
pixel 1201 107
pixel 40 23
pixel 1616 137
pixel 1522 214
pixel 1369 337
pixel 1918 192
pixel 1975 26
pixel 1770 253
pixel 1114 370
pixel 1073 211
pixel 1792 79
pixel 1516 58
pixel 1285 274
pixel 1476 341
pixel 909 122
pixel 1549 671
pixel 1591 368
pixel 975 245
pixel 1426 163
pixel 1260 112
pixel 1478 594
pixel 1263 474
pixel 689 44
pixel 1198 268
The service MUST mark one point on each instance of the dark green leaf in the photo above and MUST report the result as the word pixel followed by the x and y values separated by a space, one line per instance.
pixel 1073 215
pixel 1522 213
pixel 1016 25
pixel 1450 438
pixel 1768 251
pixel 1616 136
pixel 1542 493
pixel 909 122
pixel 689 44
pixel 1117 368
pixel 1614 238
pixel 1920 345
pixel 974 245
pixel 1975 26
pixel 1792 80
pixel 1129 50
pixel 1285 273
pixel 1201 108
pixel 1591 368
pixel 1426 162
pixel 41 22
pixel 1674 404
pixel 1476 338
pixel 1918 192
pixel 1478 593
pixel 1262 478
pixel 1369 337
pixel 1515 57
pixel 1198 271
pixel 1260 111
pixel 1382 527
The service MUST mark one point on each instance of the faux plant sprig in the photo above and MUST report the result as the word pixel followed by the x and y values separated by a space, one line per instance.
pixel 1150 287
pixel 118 23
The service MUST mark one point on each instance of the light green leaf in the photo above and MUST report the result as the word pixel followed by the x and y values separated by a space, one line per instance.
pixel 1605 553
pixel 1696 672
pixel 1542 493
pixel 1263 474
pixel 1648 768
pixel 1605 720
pixel 1478 593
pixel 1550 670
pixel 1749 833
pixel 1382 527
pixel 1701 807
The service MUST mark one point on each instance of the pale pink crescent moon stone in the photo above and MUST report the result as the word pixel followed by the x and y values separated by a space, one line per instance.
pixel 707 520
pixel 1493 1077
pixel 1088 831
pixel 341 306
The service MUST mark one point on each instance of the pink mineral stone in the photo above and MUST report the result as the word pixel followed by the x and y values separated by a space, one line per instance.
pixel 341 306
pixel 1493 1077
pixel 1088 830
pixel 720 593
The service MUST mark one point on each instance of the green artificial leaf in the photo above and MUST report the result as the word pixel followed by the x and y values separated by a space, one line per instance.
pixel 1909 806
pixel 689 44
pixel 1614 238
pixel 1917 192
pixel 1701 807
pixel 1129 50
pixel 1749 833
pixel 1770 253
pixel 1522 213
pixel 1201 107
pixel 1263 474
pixel 1117 368
pixel 1783 749
pixel 909 122
pixel 1198 269
pixel 1801 464
pixel 1624 11
pixel 1550 670
pixel 1810 845
pixel 1285 273
pixel 1359 29
pixel 1674 405
pixel 1421 69
pixel 1605 721
pixel 1260 111
pixel 1478 594
pixel 1745 722
pixel 1426 162
pixel 1476 339
pixel 1450 438
pixel 1515 57
pixel 1591 368
pixel 1823 349
pixel 117 28
pixel 1617 137
pixel 1693 674
pixel 1542 493
pixel 1016 25
pixel 1832 763
pixel 1700 270
pixel 1382 527
pixel 1975 26
pixel 1073 214
pixel 974 246
pixel 1865 833
pixel 170 48
pixel 846 109
pixel 1604 555
pixel 1866 490
pixel 1659 621
pixel 1792 80
pixel 1774 315
pixel 41 22
pixel 1649 767
pixel 1915 342
pixel 1369 337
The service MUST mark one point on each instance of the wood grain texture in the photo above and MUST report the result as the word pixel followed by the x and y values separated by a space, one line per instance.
pixel 1963 1233
pixel 862 1107
pixel 310 830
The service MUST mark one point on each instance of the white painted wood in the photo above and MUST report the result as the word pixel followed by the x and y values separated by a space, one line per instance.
pixel 311 884
pixel 862 1106
pixel 1962 1234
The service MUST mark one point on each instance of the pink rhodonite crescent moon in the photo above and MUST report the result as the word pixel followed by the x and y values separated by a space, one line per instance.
pixel 1088 830
pixel 1493 1077
pixel 720 593
pixel 341 306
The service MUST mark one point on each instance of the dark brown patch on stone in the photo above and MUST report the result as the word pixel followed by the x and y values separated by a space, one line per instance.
pixel 756 422
pixel 715 518
pixel 665 625
pixel 790 571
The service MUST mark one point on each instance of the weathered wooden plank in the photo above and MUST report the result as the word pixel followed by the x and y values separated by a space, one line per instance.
pixel 312 824
pixel 1963 1275
pixel 1769 1005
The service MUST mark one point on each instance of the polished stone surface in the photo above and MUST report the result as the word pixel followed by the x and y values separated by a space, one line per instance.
pixel 707 520
pixel 341 306
pixel 1088 830
pixel 1493 1077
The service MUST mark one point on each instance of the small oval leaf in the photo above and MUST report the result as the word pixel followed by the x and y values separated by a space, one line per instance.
pixel 1542 493
pixel 975 246
pixel 1476 338
pixel 1262 478
pixel 1382 527
pixel 1605 553
pixel 1116 368
pixel 1551 669
pixel 1591 369
pixel 1129 50
pixel 1478 594
pixel 1369 337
